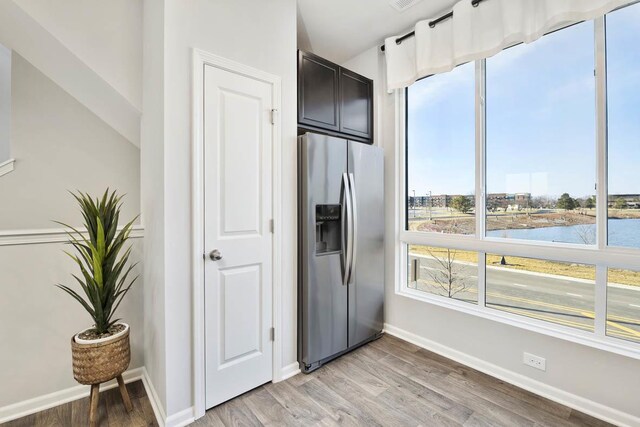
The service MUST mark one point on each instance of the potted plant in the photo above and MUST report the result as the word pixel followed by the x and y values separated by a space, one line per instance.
pixel 101 352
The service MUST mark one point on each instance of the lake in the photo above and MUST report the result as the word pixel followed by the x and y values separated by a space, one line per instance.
pixel 622 232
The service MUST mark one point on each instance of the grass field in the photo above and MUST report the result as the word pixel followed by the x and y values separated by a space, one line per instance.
pixel 578 271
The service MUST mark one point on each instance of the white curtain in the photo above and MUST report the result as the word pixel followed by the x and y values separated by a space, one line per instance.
pixel 479 32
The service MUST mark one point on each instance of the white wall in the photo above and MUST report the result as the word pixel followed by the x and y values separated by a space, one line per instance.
pixel 106 35
pixel 5 103
pixel 152 193
pixel 60 146
pixel 596 375
pixel 253 32
pixel 37 320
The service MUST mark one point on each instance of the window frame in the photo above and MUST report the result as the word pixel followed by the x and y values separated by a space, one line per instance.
pixel 600 255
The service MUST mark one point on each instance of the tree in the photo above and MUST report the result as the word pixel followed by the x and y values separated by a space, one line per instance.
pixel 566 202
pixel 541 202
pixel 620 203
pixel 586 233
pixel 590 203
pixel 448 274
pixel 461 203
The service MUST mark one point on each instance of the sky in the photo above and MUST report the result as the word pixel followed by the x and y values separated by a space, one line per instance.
pixel 541 127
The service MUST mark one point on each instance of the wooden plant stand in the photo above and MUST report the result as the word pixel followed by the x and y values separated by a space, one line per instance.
pixel 97 363
pixel 95 390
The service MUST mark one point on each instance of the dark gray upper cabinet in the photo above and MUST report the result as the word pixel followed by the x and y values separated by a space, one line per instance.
pixel 334 100
pixel 318 92
pixel 356 95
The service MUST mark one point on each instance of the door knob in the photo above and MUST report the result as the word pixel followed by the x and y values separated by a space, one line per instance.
pixel 215 255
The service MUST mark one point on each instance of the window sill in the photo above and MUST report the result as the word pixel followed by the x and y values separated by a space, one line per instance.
pixel 606 343
pixel 7 166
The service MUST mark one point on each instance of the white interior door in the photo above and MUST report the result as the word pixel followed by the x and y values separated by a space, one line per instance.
pixel 238 144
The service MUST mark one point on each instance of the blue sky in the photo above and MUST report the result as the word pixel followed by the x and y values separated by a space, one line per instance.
pixel 540 117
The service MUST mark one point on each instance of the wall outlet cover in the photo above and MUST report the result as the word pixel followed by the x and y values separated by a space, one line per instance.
pixel 534 361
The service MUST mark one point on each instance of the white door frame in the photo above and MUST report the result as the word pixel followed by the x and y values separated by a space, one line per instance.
pixel 200 59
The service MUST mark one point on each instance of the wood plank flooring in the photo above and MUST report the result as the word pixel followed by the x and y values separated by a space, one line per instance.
pixel 388 382
pixel 111 411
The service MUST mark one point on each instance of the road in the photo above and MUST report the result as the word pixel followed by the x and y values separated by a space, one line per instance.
pixel 557 299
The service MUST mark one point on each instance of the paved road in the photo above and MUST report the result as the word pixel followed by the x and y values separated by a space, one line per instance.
pixel 565 301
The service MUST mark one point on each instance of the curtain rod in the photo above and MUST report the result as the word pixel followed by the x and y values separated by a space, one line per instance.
pixel 432 24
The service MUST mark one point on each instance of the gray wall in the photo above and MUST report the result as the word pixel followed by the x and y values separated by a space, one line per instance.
pixel 37 320
pixel 5 103
pixel 59 145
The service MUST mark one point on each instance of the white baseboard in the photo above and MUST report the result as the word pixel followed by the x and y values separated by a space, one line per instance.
pixel 41 403
pixel 181 418
pixel 576 402
pixel 156 403
pixel 289 371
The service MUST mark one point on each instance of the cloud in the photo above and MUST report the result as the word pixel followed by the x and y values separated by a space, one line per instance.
pixel 434 88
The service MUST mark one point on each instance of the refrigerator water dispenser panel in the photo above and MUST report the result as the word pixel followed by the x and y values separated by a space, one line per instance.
pixel 328 229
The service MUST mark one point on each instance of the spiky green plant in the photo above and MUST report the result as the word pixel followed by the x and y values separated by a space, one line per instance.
pixel 104 270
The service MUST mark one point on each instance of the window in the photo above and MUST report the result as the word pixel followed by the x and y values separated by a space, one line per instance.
pixel 518 140
pixel 551 291
pixel 447 272
pixel 441 146
pixel 623 106
pixel 540 121
pixel 623 304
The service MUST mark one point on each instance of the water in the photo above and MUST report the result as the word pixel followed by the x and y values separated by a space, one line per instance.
pixel 622 232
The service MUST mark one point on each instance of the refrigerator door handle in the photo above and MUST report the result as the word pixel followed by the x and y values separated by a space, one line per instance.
pixel 354 226
pixel 347 227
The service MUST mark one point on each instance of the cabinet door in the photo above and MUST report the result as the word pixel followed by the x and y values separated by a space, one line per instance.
pixel 318 81
pixel 356 109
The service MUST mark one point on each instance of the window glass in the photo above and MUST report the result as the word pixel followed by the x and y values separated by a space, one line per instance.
pixel 540 139
pixel 446 272
pixel 441 152
pixel 557 292
pixel 623 110
pixel 623 304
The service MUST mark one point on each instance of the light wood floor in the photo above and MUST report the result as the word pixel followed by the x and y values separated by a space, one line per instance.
pixel 387 383
pixel 393 383
pixel 111 408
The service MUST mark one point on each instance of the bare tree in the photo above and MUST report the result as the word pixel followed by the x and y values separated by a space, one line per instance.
pixel 448 275
pixel 586 233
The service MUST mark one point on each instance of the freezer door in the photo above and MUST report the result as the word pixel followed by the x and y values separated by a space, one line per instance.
pixel 322 296
pixel 366 287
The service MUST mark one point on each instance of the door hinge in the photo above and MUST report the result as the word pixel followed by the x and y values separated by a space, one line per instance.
pixel 272 227
pixel 274 116
pixel 272 334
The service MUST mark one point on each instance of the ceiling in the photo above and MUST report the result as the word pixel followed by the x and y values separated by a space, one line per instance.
pixel 341 29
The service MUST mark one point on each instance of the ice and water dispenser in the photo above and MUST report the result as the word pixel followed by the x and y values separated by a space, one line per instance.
pixel 328 229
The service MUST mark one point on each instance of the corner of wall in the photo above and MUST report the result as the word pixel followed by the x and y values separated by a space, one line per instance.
pixel 152 195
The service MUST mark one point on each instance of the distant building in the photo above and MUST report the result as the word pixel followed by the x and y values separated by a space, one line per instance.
pixel 633 200
pixel 494 200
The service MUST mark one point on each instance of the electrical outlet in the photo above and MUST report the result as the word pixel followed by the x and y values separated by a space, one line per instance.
pixel 535 361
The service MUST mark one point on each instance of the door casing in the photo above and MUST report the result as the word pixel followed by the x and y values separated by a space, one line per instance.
pixel 200 59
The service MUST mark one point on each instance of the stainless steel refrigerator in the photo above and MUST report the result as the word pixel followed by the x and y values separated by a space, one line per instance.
pixel 341 247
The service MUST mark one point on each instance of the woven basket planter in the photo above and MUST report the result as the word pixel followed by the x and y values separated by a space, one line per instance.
pixel 101 361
